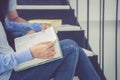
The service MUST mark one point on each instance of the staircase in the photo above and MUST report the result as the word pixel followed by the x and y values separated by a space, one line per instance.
pixel 57 9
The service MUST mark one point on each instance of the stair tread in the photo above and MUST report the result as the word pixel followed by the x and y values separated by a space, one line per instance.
pixel 43 7
pixel 42 2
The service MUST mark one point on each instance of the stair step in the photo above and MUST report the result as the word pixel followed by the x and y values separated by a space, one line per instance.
pixel 43 7
pixel 42 2
pixel 67 16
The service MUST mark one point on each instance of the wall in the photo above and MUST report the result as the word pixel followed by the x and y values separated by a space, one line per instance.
pixel 94 32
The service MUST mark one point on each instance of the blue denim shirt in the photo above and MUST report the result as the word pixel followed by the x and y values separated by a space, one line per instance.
pixel 12 5
pixel 20 29
pixel 8 58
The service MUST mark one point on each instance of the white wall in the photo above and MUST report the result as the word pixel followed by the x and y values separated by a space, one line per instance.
pixel 109 50
pixel 110 16
pixel 110 6
pixel 110 9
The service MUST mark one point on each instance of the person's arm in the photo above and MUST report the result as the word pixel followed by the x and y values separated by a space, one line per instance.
pixel 20 29
pixel 43 50
pixel 13 16
pixel 8 62
pixel 12 12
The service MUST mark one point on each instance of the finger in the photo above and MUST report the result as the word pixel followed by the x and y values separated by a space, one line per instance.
pixel 43 27
pixel 50 45
pixel 46 26
pixel 50 52
pixel 52 49
pixel 30 32
pixel 51 55
pixel 44 42
pixel 48 55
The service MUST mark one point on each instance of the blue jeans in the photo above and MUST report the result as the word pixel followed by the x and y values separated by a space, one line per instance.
pixel 74 61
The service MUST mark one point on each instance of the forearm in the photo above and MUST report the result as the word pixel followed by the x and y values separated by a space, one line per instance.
pixel 8 62
pixel 20 29
pixel 17 29
pixel 18 19
pixel 13 16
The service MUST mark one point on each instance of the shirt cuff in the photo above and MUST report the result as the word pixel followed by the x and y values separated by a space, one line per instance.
pixel 12 5
pixel 36 26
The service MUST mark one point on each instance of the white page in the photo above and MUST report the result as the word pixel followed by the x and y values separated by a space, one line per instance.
pixel 27 41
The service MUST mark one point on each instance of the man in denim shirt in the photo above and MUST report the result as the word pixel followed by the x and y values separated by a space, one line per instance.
pixel 21 28
pixel 73 59
pixel 10 59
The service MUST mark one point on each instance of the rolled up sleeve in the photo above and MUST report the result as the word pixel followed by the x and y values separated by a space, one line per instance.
pixel 8 62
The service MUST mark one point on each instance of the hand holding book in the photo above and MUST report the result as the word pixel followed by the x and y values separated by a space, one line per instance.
pixel 45 26
pixel 44 50
pixel 44 47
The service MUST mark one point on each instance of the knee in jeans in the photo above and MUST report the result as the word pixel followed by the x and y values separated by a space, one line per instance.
pixel 68 43
pixel 69 46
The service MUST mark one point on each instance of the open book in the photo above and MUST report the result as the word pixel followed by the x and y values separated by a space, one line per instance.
pixel 24 42
pixel 51 22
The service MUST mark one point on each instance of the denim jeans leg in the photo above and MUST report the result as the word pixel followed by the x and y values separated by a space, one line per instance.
pixel 62 69
pixel 67 69
pixel 85 70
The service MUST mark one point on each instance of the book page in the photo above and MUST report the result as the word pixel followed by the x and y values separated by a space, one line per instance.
pixel 27 41
pixel 52 22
